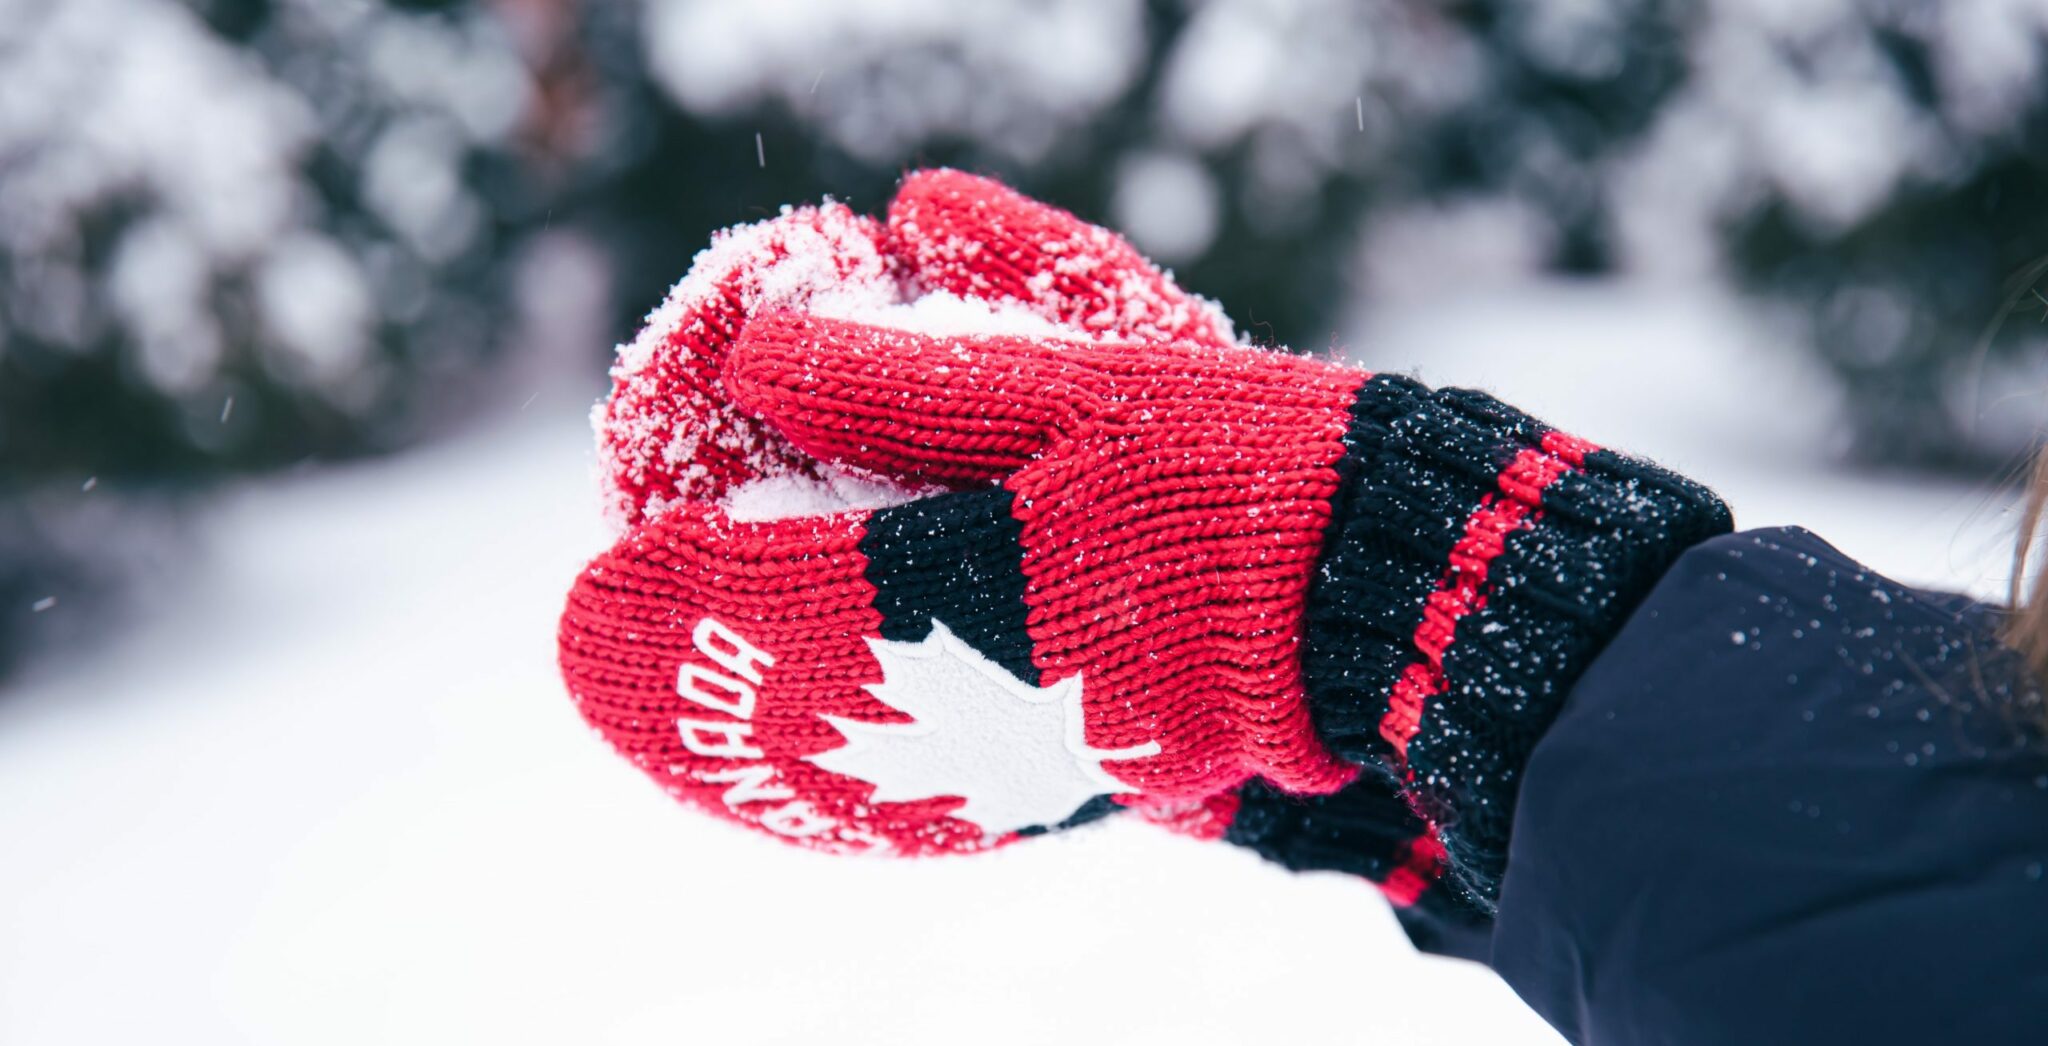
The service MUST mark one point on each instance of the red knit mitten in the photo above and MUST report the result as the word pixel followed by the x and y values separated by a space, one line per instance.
pixel 975 238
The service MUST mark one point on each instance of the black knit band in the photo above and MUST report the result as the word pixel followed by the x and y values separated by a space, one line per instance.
pixel 960 560
pixel 1476 562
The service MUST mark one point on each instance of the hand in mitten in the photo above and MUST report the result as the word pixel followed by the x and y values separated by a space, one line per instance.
pixel 669 434
pixel 1126 611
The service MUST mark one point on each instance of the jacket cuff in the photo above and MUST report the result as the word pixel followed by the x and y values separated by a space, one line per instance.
pixel 1476 561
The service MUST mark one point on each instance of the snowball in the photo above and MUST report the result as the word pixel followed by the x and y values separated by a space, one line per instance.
pixel 940 314
pixel 833 490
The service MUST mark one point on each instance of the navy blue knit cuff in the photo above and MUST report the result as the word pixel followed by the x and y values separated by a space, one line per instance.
pixel 1476 562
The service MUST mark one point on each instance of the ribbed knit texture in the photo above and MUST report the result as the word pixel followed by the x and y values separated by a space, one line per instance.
pixel 810 593
pixel 1476 562
pixel 630 626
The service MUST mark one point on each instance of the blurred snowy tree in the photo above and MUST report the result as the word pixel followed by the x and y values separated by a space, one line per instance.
pixel 280 235
pixel 1872 165
pixel 1883 167
pixel 236 235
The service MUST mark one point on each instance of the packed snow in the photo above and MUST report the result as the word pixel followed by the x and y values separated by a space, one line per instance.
pixel 789 495
pixel 938 313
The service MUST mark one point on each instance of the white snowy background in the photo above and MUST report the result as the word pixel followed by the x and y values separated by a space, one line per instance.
pixel 329 789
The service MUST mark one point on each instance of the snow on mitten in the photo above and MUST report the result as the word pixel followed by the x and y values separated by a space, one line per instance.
pixel 1129 610
pixel 957 251
pixel 668 433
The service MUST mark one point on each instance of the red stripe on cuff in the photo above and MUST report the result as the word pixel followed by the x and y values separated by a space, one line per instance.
pixel 1462 589
pixel 1569 447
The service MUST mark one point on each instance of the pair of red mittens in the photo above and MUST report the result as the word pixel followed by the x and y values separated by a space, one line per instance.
pixel 1105 559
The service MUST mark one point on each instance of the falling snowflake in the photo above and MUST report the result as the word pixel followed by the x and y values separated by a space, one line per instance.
pixel 1015 752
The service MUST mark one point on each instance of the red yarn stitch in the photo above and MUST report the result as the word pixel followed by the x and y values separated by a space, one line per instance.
pixel 667 432
pixel 1421 865
pixel 628 628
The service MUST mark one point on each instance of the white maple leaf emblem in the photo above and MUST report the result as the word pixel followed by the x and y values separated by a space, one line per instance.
pixel 1014 751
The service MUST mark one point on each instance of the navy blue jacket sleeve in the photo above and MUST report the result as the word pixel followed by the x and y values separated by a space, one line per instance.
pixel 1791 802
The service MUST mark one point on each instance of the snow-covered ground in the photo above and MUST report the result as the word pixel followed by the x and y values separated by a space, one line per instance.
pixel 334 794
